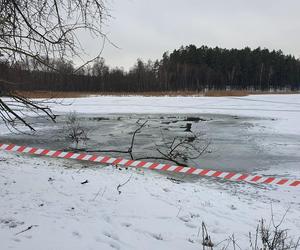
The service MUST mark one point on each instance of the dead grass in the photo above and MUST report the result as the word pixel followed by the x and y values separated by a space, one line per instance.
pixel 211 93
pixel 51 94
pixel 59 94
pixel 220 93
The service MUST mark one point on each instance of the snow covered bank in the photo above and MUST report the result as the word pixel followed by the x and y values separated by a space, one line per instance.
pixel 151 212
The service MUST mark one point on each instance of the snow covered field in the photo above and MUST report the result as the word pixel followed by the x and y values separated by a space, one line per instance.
pixel 151 212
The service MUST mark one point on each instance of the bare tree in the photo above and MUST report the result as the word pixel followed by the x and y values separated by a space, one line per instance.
pixel 43 30
pixel 75 131
pixel 16 109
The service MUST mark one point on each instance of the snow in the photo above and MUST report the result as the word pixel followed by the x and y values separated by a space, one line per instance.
pixel 152 211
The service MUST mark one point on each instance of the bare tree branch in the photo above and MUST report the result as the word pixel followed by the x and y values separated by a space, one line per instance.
pixel 15 108
pixel 179 151
pixel 49 28
pixel 43 30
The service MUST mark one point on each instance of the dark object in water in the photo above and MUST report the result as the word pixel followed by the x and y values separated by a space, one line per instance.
pixel 188 127
pixel 194 119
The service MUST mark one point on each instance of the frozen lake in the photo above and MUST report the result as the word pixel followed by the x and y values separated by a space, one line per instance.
pixel 237 143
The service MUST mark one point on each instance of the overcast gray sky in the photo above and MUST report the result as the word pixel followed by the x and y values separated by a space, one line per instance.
pixel 147 28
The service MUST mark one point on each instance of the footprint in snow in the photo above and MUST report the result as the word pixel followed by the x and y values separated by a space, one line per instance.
pixel 107 218
pixel 111 235
pixel 185 218
pixel 114 245
pixel 157 236
pixel 76 234
pixel 126 224
pixel 11 223
pixel 233 207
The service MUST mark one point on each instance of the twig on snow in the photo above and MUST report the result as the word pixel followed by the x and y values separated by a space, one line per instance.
pixel 27 229
pixel 99 193
pixel 121 185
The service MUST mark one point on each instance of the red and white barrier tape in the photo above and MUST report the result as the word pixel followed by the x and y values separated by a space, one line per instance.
pixel 150 165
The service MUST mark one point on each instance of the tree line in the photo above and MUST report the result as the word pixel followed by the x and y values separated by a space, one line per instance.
pixel 185 69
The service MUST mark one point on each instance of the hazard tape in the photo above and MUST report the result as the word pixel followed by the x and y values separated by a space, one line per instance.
pixel 150 165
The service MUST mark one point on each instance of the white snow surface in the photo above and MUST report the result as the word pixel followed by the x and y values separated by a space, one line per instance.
pixel 46 196
pixel 151 212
